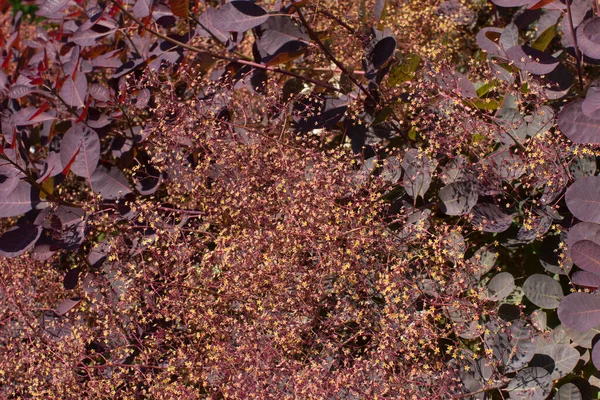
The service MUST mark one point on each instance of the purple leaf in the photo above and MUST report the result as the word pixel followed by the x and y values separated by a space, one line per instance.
pixel 27 116
pixel 458 198
pixel 238 16
pixel 580 311
pixel 583 199
pixel 486 39
pixel 18 91
pixel 586 279
pixel 378 9
pixel 142 8
pixel 417 173
pixel 73 91
pixel 532 60
pixel 509 37
pixel 591 105
pixel 490 218
pixel 577 126
pixel 109 59
pixel 82 143
pixel 500 286
pixel 206 27
pixel 21 200
pixel 596 355
pixel 99 92
pixel 71 278
pixel 110 183
pixel 588 37
pixel 513 3
pixel 543 291
pixel 586 255
pixel 18 239
pixel 50 7
pixel 66 305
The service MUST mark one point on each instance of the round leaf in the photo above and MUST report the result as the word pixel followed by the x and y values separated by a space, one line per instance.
pixel 580 311
pixel 532 383
pixel 583 198
pixel 500 286
pixel 543 291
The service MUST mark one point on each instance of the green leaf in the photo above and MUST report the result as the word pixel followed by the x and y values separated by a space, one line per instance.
pixel 486 104
pixel 543 41
pixel 486 88
pixel 412 134
pixel 404 71
pixel 382 115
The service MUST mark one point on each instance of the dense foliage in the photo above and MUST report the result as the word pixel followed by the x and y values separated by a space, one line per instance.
pixel 300 199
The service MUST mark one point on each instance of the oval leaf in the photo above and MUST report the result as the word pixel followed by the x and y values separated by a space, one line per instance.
pixel 580 311
pixel 500 286
pixel 490 218
pixel 577 126
pixel 562 359
pixel 568 391
pixel 586 255
pixel 238 16
pixel 458 198
pixel 18 239
pixel 583 199
pixel 417 173
pixel 530 383
pixel 543 291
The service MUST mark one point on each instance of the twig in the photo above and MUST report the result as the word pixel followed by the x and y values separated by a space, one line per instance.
pixel 329 55
pixel 577 52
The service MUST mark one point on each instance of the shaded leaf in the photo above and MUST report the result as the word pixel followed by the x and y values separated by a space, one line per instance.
pixel 532 383
pixel 22 199
pixel 512 346
pixel 568 391
pixel 583 165
pixel 543 41
pixel 66 305
pixel 110 183
pixel 588 37
pixel 458 198
pixel 238 16
pixel 490 218
pixel 417 173
pixel 18 239
pixel 532 60
pixel 563 359
pixel 405 71
pixel 71 278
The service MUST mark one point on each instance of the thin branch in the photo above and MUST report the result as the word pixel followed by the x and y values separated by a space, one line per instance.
pixel 329 55
pixel 577 52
